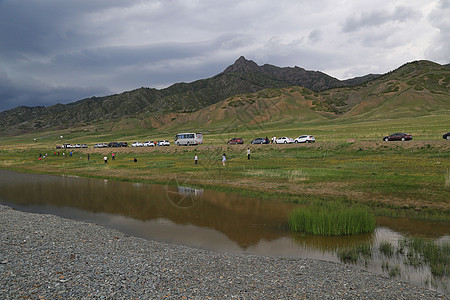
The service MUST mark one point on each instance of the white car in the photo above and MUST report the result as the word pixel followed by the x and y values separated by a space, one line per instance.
pixel 137 144
pixel 284 140
pixel 100 145
pixel 163 143
pixel 149 144
pixel 305 139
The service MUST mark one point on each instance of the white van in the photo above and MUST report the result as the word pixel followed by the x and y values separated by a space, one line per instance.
pixel 187 139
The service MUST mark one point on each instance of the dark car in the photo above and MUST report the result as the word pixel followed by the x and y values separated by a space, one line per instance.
pixel 235 141
pixel 398 137
pixel 446 136
pixel 123 144
pixel 261 141
pixel 113 144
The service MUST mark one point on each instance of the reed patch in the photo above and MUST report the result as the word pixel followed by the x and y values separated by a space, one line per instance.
pixel 331 220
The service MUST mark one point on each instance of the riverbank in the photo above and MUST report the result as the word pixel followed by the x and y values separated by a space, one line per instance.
pixel 409 179
pixel 48 257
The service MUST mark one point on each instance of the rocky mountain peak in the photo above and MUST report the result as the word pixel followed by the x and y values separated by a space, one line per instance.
pixel 243 65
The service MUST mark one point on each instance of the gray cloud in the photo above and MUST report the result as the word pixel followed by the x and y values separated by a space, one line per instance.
pixel 439 18
pixel 58 51
pixel 379 17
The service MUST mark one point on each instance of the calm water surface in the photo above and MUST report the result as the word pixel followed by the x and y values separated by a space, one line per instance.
pixel 224 222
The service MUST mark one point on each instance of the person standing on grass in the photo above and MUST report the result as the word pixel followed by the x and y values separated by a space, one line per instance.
pixel 88 156
pixel 113 156
pixel 224 159
pixel 248 153
pixel 196 159
pixel 105 159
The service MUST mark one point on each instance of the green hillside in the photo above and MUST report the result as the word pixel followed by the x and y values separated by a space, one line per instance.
pixel 415 89
pixel 415 98
pixel 244 76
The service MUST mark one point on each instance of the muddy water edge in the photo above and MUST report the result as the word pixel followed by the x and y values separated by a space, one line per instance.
pixel 225 222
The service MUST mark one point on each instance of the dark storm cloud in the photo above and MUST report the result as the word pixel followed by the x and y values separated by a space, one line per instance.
pixel 41 27
pixel 15 94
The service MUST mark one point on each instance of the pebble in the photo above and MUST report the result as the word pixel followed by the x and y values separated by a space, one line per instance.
pixel 48 257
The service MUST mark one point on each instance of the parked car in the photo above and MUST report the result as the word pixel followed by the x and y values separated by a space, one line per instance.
pixel 446 136
pixel 123 144
pixel 261 141
pixel 305 139
pixel 398 137
pixel 284 140
pixel 149 144
pixel 163 143
pixel 84 145
pixel 113 144
pixel 235 141
pixel 137 144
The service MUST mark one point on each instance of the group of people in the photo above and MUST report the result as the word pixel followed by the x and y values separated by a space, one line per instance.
pixel 113 156
pixel 55 154
pixel 105 158
pixel 224 158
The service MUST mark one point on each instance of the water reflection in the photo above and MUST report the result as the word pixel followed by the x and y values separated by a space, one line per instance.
pixel 198 218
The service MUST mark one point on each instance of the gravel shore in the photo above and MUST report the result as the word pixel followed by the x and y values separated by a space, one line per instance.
pixel 48 257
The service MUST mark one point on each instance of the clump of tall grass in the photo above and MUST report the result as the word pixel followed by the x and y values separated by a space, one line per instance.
pixel 331 220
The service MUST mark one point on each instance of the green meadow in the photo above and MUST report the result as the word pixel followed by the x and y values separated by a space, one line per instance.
pixel 349 163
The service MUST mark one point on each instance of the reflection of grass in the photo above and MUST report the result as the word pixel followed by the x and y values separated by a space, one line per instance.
pixel 352 255
pixel 426 251
pixel 331 220
pixel 417 252
pixel 395 271
pixel 386 248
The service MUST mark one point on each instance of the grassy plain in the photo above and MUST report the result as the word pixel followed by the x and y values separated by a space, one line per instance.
pixel 349 163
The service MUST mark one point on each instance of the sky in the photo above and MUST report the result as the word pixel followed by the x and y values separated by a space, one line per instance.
pixel 55 51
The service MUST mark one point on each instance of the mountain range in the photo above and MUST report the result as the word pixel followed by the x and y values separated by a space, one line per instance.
pixel 254 94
